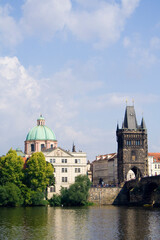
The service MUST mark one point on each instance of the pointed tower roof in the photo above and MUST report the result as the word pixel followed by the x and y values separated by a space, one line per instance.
pixel 143 125
pixel 130 121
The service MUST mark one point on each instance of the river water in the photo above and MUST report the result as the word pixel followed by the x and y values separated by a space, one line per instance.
pixel 90 223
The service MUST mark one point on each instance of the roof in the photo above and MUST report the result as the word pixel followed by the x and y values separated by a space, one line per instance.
pixel 107 157
pixel 156 156
pixel 20 153
pixel 41 117
pixel 130 120
pixel 41 133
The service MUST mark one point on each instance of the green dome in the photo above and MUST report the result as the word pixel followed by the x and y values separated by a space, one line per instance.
pixel 41 133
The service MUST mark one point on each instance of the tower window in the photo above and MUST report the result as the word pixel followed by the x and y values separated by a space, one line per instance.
pixel 128 142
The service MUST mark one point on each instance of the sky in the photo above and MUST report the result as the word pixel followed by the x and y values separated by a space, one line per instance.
pixel 78 63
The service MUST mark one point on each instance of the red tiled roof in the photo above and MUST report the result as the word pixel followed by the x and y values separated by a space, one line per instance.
pixel 156 156
pixel 105 157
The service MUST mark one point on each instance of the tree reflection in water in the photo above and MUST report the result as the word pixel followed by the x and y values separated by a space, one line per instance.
pixel 90 223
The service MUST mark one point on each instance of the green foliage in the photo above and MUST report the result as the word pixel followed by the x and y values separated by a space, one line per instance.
pixel 37 199
pixel 11 168
pixel 55 201
pixel 38 173
pixel 10 195
pixel 77 194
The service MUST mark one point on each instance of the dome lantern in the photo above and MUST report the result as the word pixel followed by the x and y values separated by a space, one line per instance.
pixel 41 121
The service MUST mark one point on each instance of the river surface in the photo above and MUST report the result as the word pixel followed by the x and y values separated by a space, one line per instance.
pixel 90 223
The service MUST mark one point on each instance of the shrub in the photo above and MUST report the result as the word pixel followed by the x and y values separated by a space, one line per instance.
pixel 55 201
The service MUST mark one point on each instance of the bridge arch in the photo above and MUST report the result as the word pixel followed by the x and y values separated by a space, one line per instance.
pixel 133 173
pixel 149 193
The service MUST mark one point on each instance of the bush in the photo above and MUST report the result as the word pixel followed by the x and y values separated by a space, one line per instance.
pixel 77 194
pixel 37 199
pixel 55 201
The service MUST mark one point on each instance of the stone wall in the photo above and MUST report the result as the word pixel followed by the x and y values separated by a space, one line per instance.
pixel 103 196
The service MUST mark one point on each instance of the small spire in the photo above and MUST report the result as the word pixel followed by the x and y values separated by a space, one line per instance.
pixel 143 125
pixel 73 148
pixel 117 126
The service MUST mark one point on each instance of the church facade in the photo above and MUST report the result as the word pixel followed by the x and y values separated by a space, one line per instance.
pixel 132 147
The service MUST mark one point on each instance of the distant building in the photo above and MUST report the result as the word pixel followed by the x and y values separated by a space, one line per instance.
pixel 132 147
pixel 67 166
pixel 154 164
pixel 39 138
pixel 90 171
pixel 105 169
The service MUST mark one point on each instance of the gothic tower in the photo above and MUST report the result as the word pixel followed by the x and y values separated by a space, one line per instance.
pixel 132 147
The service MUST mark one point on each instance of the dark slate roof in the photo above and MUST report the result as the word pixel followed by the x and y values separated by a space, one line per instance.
pixel 130 121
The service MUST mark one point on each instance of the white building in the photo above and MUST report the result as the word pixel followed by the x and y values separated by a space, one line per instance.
pixel 154 164
pixel 67 165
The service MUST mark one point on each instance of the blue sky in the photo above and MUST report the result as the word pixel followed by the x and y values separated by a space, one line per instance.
pixel 76 62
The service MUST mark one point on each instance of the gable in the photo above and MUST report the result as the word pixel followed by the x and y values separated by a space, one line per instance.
pixel 57 152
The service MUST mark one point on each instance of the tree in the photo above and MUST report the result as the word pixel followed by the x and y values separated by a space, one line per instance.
pixel 77 194
pixel 11 168
pixel 38 172
pixel 10 195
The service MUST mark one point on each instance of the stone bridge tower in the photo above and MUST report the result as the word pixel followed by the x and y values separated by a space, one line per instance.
pixel 132 146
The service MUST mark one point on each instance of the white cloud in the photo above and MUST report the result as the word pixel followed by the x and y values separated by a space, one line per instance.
pixel 99 22
pixel 10 33
pixel 126 42
pixel 45 18
pixel 143 56
pixel 17 86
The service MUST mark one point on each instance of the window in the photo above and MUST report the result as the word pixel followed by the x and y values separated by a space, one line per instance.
pixel 77 160
pixel 64 179
pixel 155 165
pixel 52 189
pixel 42 146
pixel 158 166
pixel 52 160
pixel 77 170
pixel 32 147
pixel 64 170
pixel 51 145
pixel 64 160
pixel 54 170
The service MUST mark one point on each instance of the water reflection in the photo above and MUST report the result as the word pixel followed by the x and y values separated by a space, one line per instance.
pixel 92 223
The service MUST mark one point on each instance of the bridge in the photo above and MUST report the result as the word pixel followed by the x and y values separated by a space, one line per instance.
pixel 140 191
